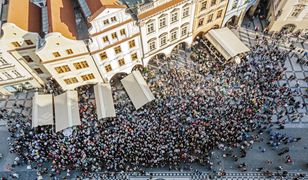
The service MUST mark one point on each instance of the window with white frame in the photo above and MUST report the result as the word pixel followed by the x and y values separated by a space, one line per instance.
pixel 17 74
pixel 162 22
pixel 297 10
pixel 7 75
pixel 186 12
pixel 184 30
pixel 150 28
pixel 174 17
pixel 2 61
pixel 174 35
pixel 152 45
pixel 163 40
pixel 234 5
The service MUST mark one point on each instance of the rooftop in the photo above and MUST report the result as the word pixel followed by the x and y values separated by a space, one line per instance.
pixel 98 6
pixel 62 18
pixel 25 15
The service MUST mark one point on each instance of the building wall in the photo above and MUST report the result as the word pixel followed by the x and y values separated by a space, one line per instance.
pixel 208 15
pixel 104 51
pixel 66 59
pixel 238 9
pixel 13 76
pixel 152 39
pixel 289 12
pixel 15 72
pixel 21 45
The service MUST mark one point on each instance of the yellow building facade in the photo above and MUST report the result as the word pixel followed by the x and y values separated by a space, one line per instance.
pixel 209 14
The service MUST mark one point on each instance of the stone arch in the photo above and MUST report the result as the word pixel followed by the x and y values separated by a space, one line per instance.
pixel 288 28
pixel 181 46
pixel 115 79
pixel 137 67
pixel 155 59
pixel 199 35
pixel 232 22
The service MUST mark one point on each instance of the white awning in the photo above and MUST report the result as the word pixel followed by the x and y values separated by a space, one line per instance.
pixel 137 89
pixel 67 110
pixel 104 101
pixel 42 110
pixel 226 42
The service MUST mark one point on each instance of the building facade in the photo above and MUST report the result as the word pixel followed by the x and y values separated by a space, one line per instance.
pixel 209 14
pixel 164 24
pixel 115 43
pixel 236 11
pixel 288 15
pixel 66 58
pixel 18 43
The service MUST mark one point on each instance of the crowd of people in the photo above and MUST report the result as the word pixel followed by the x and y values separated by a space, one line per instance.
pixel 195 112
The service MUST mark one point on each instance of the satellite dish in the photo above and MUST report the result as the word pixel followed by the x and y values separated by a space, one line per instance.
pixel 237 60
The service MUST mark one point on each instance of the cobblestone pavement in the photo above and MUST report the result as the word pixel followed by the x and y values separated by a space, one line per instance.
pixel 22 102
pixel 293 68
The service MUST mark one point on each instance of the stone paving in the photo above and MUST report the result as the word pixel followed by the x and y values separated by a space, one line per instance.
pixel 293 68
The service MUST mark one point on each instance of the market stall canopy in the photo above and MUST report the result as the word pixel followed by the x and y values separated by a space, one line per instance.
pixel 42 110
pixel 137 89
pixel 104 101
pixel 67 110
pixel 226 42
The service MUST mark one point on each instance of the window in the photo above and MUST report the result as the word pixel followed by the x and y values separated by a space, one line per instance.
pixel 114 35
pixel 17 74
pixel 113 19
pixel 200 23
pixel 7 75
pixel 2 61
pixel 213 2
pixel 184 31
pixel 105 39
pixel 163 40
pixel 186 12
pixel 150 28
pixel 62 69
pixel 174 17
pixel 297 10
pixel 210 18
pixel 103 56
pixel 108 68
pixel 234 5
pixel 81 65
pixel 15 44
pixel 219 13
pixel 117 49
pixel 56 54
pixel 152 45
pixel 69 51
pixel 173 35
pixel 28 42
pixel 38 71
pixel 28 59
pixel 87 77
pixel 71 80
pixel 122 32
pixel 132 43
pixel 106 22
pixel 162 22
pixel 121 62
pixel 134 56
pixel 203 5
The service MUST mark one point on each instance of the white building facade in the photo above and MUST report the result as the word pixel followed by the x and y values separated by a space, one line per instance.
pixel 237 10
pixel 115 42
pixel 164 24
pixel 288 15
pixel 68 61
